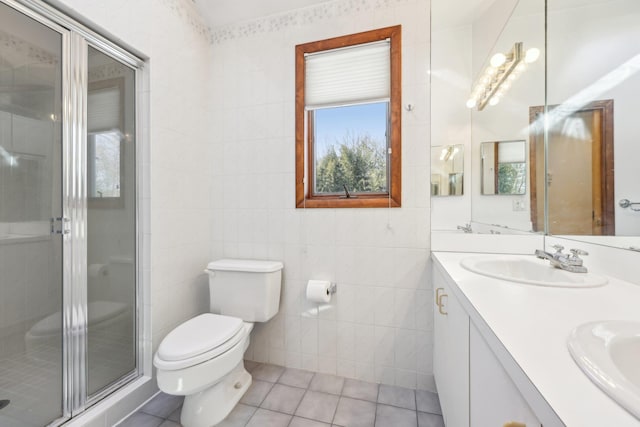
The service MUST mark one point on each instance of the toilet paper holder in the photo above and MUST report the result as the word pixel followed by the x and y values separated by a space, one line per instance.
pixel 333 288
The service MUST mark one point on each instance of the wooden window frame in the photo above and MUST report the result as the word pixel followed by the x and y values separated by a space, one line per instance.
pixel 304 141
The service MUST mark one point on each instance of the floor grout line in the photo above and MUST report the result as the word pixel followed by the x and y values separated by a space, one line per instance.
pixel 306 389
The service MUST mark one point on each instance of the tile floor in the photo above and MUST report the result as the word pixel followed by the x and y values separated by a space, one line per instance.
pixel 281 397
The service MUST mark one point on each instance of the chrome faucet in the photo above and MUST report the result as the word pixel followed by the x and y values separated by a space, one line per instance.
pixel 466 228
pixel 569 262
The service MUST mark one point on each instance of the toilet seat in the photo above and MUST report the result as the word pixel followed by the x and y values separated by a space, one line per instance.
pixel 199 339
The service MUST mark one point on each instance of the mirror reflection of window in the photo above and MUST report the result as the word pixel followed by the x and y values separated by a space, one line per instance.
pixel 447 170
pixel 504 168
pixel 104 160
pixel 104 139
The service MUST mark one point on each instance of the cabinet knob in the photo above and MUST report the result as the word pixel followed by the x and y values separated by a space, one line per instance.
pixel 514 424
pixel 438 295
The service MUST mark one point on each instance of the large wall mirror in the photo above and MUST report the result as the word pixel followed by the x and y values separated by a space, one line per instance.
pixel 508 79
pixel 593 150
pixel 581 175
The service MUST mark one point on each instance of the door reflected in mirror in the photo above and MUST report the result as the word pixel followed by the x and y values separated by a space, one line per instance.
pixel 580 172
pixel 504 168
pixel 447 170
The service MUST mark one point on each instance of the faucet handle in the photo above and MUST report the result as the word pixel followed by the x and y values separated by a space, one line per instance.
pixel 558 248
pixel 577 252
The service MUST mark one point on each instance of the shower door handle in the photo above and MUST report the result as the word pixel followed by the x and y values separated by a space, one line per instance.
pixel 60 225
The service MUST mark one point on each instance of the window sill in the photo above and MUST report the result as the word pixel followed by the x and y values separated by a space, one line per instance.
pixel 352 202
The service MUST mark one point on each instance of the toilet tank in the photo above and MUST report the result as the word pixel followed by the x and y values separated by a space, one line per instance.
pixel 245 288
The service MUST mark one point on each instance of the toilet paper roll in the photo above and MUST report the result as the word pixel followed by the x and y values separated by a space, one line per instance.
pixel 97 270
pixel 318 291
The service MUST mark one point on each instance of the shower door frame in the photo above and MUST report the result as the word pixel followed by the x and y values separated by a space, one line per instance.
pixel 76 38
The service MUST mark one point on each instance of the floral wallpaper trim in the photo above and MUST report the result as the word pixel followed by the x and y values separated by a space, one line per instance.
pixel 25 51
pixel 186 10
pixel 107 71
pixel 298 18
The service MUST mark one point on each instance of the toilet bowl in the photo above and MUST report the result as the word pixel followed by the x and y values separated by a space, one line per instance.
pixel 202 360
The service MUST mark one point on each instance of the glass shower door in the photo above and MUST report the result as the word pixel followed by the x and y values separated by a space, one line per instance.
pixel 31 338
pixel 111 221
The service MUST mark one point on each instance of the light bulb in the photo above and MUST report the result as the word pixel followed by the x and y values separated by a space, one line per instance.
pixel 471 103
pixel 513 76
pixel 498 59
pixel 505 85
pixel 491 71
pixel 521 67
pixel 532 55
pixel 494 101
pixel 485 79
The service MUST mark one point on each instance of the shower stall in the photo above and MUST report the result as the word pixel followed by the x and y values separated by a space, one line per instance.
pixel 68 216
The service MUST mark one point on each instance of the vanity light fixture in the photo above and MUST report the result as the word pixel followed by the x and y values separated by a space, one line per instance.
pixel 496 79
pixel 448 153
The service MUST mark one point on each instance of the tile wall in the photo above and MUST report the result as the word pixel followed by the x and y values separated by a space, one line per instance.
pixel 222 185
pixel 378 327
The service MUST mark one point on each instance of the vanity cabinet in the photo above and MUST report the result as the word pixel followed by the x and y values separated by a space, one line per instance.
pixel 474 388
pixel 451 354
pixel 494 399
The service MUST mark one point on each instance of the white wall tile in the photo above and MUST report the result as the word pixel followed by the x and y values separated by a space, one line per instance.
pixel 292 334
pixel 346 301
pixel 365 372
pixel 384 306
pixel 327 339
pixel 404 308
pixel 377 257
pixel 309 335
pixel 346 341
pixel 327 365
pixel 346 368
pixel 365 344
pixel 405 350
pixel 309 362
pixel 385 345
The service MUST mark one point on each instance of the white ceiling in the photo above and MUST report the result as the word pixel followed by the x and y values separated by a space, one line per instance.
pixel 454 13
pixel 223 12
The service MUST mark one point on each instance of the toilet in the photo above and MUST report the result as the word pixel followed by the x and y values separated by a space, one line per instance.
pixel 202 359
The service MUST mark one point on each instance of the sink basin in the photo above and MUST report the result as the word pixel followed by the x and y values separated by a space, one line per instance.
pixel 609 353
pixel 530 270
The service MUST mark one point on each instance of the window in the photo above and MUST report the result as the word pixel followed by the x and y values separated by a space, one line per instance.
pixel 348 100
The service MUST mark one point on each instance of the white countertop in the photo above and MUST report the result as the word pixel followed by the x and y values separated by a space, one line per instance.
pixel 533 324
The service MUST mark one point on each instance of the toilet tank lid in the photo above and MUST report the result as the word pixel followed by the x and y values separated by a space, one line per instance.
pixel 248 265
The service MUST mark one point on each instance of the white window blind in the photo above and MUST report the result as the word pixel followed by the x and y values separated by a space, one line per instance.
pixel 352 75
pixel 103 110
pixel 511 152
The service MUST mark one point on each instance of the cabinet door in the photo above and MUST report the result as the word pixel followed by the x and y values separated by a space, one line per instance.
pixel 494 398
pixel 451 354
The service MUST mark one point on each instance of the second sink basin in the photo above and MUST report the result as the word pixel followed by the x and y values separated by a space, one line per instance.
pixel 609 353
pixel 529 270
